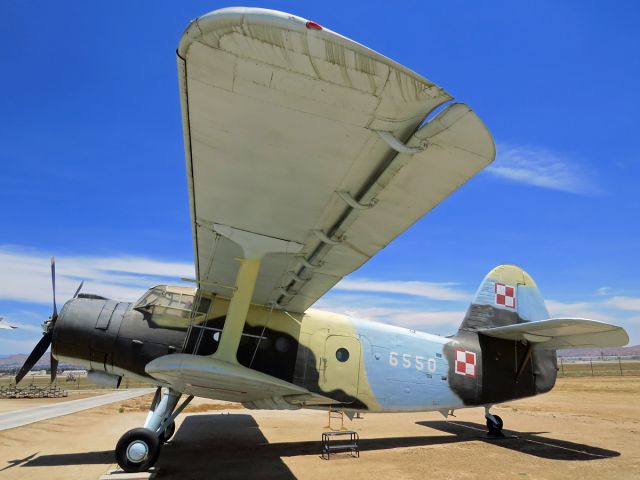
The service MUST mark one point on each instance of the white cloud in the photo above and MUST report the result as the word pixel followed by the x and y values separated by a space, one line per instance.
pixel 417 312
pixel 401 317
pixel 10 346
pixel 603 290
pixel 25 275
pixel 25 326
pixel 589 310
pixel 433 291
pixel 540 167
pixel 414 319
pixel 408 304
pixel 624 303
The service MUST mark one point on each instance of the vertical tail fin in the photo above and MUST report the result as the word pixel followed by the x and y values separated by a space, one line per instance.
pixel 507 295
pixel 507 368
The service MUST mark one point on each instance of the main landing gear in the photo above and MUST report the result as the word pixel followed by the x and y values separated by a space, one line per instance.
pixel 139 449
pixel 494 423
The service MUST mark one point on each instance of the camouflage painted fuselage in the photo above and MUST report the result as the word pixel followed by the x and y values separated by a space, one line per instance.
pixel 357 364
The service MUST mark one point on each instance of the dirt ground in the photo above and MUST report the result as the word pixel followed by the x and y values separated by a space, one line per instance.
pixel 586 428
pixel 10 404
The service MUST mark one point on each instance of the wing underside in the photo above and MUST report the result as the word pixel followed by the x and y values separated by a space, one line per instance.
pixel 306 136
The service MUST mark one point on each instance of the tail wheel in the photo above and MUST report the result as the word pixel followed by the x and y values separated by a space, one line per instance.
pixel 168 433
pixel 494 426
pixel 137 450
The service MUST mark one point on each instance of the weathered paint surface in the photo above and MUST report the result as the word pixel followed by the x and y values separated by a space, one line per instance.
pixel 348 362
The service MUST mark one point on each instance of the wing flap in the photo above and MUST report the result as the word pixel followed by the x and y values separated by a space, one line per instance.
pixel 458 145
pixel 557 333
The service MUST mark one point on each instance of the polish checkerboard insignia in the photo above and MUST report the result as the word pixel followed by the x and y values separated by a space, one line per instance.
pixel 505 295
pixel 465 363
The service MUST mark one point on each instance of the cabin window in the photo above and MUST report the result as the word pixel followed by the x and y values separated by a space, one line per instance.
pixel 162 296
pixel 342 354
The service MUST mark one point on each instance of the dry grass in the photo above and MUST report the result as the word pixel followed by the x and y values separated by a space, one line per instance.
pixel 599 368
pixel 141 404
pixel 599 385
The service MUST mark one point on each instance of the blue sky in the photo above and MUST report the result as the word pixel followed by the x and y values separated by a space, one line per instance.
pixel 92 160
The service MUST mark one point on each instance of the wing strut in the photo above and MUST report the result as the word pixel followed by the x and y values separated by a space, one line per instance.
pixel 254 247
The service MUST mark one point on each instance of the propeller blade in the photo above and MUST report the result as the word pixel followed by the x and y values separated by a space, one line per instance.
pixel 78 290
pixel 35 355
pixel 53 283
pixel 54 367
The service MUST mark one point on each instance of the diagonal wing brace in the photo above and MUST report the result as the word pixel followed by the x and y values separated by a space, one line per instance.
pixel 254 247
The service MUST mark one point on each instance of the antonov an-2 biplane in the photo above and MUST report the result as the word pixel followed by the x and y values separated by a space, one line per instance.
pixel 307 153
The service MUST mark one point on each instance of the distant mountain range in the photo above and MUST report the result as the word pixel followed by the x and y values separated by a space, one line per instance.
pixel 10 361
pixel 599 352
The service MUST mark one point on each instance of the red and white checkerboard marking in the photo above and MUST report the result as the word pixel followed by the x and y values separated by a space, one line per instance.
pixel 505 295
pixel 466 363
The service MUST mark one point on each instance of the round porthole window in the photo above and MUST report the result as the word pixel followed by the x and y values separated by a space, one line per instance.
pixel 282 344
pixel 342 354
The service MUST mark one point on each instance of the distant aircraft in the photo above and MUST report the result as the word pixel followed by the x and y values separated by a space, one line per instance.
pixel 307 153
pixel 6 325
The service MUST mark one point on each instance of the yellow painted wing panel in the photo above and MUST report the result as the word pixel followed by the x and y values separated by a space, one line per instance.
pixel 282 128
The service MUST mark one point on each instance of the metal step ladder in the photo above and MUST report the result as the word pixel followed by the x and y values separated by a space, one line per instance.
pixel 335 441
pixel 336 415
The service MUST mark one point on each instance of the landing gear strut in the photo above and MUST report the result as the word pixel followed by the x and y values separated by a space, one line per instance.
pixel 168 433
pixel 139 449
pixel 494 423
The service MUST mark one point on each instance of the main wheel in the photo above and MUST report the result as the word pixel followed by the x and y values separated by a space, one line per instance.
pixel 137 450
pixel 168 433
pixel 494 426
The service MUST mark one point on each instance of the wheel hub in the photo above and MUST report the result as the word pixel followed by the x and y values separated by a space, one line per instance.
pixel 137 451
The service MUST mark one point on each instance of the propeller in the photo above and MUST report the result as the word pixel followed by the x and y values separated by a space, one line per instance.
pixel 45 342
pixel 75 295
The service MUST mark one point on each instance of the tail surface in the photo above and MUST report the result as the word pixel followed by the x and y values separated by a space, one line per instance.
pixel 505 347
pixel 507 296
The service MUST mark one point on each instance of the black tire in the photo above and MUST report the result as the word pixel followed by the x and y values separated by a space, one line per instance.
pixel 146 442
pixel 495 426
pixel 168 433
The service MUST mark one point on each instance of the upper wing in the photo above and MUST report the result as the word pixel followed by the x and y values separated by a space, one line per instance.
pixel 304 135
pixel 557 333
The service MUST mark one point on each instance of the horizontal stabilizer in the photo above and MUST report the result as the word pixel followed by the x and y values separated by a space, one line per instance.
pixel 557 333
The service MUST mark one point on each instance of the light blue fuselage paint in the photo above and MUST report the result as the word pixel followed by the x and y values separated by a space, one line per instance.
pixel 407 370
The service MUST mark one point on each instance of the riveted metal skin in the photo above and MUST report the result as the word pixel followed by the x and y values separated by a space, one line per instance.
pixel 385 368
pixel 125 342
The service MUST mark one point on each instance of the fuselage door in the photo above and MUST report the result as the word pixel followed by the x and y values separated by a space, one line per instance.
pixel 341 364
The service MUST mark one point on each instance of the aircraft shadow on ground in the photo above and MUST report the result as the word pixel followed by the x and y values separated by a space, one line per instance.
pixel 233 447
pixel 530 443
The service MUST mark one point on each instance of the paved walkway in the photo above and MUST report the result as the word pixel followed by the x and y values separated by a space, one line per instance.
pixel 18 418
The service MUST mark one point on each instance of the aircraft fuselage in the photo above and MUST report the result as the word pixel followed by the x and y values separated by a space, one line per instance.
pixel 355 364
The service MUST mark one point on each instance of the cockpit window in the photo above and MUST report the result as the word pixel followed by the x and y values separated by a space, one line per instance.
pixel 169 306
pixel 179 299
